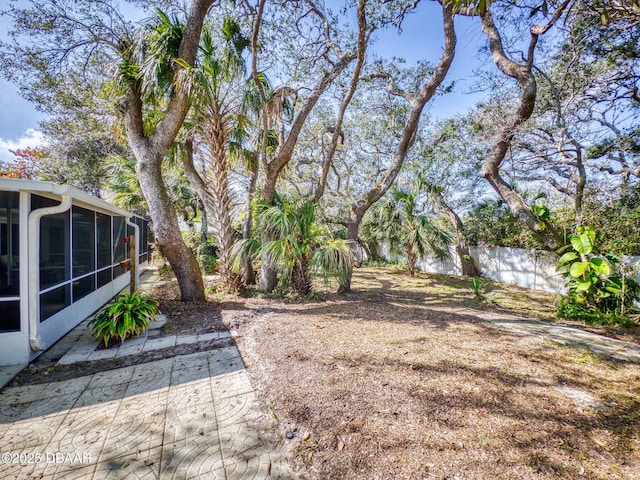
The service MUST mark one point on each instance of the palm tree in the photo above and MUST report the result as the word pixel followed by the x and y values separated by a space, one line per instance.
pixel 396 220
pixel 215 86
pixel 123 189
pixel 301 247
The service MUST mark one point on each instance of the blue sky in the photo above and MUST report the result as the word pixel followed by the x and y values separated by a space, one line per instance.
pixel 18 118
pixel 421 38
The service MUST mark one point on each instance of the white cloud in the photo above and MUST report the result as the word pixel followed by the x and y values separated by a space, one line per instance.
pixel 31 138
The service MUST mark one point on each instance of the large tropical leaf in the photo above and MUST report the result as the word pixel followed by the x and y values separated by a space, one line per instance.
pixel 431 238
pixel 584 241
pixel 600 266
pixel 578 269
pixel 614 285
pixel 334 258
pixel 583 285
pixel 246 248
pixel 566 259
pixel 276 220
pixel 306 217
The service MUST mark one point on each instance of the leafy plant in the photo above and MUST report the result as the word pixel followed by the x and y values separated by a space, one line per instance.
pixel 398 220
pixel 570 309
pixel 541 211
pixel 300 246
pixel 129 315
pixel 477 287
pixel 208 263
pixel 597 284
pixel 491 223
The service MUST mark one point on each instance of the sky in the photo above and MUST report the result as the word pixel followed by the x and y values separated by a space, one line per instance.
pixel 421 38
pixel 18 118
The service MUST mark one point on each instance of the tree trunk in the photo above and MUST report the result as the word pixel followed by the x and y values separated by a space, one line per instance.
pixel 167 232
pixel 353 227
pixel 467 263
pixel 491 167
pixel 301 280
pixel 218 182
pixel 268 272
pixel 204 225
pixel 215 194
pixel 248 274
pixel 411 261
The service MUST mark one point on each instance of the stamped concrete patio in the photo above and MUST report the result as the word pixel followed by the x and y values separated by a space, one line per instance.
pixel 190 416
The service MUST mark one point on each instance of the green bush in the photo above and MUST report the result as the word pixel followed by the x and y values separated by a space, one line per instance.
pixel 208 263
pixel 570 309
pixel 129 315
pixel 601 283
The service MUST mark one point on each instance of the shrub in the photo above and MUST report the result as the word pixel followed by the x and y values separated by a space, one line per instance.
pixel 129 315
pixel 570 309
pixel 600 288
pixel 208 263
pixel 300 245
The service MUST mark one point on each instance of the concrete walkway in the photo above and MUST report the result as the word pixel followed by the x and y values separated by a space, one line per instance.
pixel 598 344
pixel 191 416
pixel 85 348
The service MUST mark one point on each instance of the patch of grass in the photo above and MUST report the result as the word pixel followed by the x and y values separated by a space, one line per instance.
pixel 494 299
pixel 586 356
pixel 378 262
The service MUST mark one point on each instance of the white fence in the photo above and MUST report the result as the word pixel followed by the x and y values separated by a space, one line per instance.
pixel 530 269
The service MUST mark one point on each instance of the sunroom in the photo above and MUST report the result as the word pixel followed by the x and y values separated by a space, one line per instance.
pixel 63 254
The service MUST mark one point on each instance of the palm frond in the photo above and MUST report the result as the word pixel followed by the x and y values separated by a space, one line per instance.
pixel 157 49
pixel 333 259
pixel 243 249
pixel 277 221
pixel 432 239
pixel 305 217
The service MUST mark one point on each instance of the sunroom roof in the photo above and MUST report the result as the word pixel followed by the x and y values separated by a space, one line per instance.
pixel 36 186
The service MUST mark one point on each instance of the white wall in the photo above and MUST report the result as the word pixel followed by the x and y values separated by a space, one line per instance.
pixel 532 269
